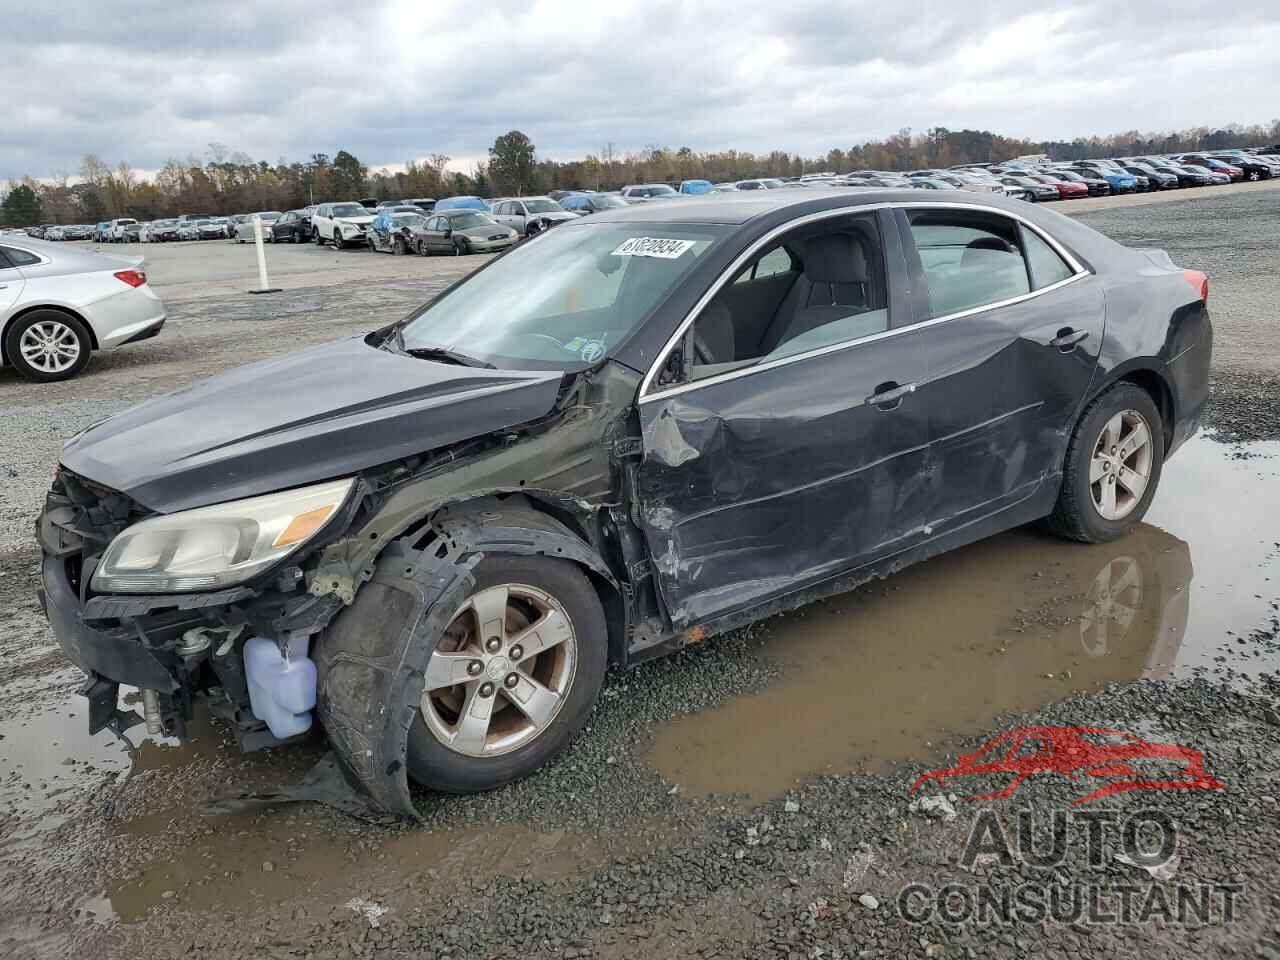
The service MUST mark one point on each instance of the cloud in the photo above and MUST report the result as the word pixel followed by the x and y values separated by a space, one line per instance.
pixel 392 80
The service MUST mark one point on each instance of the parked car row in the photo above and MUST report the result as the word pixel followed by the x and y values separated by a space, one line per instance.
pixel 348 224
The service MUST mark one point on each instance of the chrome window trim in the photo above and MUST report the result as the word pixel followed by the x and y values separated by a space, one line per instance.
pixel 1078 271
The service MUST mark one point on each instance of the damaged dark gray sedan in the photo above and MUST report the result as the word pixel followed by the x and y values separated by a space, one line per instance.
pixel 640 430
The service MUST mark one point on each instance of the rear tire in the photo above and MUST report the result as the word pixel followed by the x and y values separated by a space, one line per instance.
pixel 1090 465
pixel 576 666
pixel 67 334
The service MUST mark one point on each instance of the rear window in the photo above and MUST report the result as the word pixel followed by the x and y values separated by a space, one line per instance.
pixel 19 258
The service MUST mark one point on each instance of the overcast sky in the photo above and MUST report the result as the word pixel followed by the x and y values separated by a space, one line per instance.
pixel 144 80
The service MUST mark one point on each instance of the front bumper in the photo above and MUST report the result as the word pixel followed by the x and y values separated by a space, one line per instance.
pixel 115 653
pixel 488 246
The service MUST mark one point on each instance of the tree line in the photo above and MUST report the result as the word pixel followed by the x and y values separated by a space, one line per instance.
pixel 223 182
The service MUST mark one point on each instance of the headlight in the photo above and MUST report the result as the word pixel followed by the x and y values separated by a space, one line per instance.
pixel 218 546
pixel 350 228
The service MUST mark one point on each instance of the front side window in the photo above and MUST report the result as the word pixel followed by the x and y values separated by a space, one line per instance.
pixel 566 301
pixel 817 287
pixel 969 260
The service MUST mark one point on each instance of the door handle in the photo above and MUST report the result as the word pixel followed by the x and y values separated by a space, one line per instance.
pixel 1068 338
pixel 888 396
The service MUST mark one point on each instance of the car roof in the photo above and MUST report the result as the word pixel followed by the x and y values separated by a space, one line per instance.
pixel 739 207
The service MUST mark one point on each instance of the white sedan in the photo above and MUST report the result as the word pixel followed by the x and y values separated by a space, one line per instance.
pixel 244 229
pixel 58 304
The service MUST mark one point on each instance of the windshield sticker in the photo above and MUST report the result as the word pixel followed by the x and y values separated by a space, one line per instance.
pixel 592 351
pixel 660 247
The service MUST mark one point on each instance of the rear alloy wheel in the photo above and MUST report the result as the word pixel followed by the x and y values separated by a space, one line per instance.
pixel 1254 175
pixel 513 677
pixel 1112 467
pixel 47 345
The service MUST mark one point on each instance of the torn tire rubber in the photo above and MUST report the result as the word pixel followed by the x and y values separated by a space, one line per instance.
pixel 516 743
pixel 1077 515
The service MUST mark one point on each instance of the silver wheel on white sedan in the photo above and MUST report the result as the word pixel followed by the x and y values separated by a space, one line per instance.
pixel 1120 468
pixel 501 672
pixel 50 346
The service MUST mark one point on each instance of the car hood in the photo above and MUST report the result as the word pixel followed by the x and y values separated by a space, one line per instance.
pixel 325 412
pixel 361 221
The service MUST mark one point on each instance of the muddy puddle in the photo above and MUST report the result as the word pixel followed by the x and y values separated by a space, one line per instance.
pixel 240 862
pixel 1009 624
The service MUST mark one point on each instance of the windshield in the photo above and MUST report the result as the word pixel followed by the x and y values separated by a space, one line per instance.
pixel 607 202
pixel 565 301
pixel 543 206
pixel 349 210
pixel 408 219
pixel 470 219
pixel 270 214
pixel 660 191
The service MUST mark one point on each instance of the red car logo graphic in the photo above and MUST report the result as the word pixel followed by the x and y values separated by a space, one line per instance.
pixel 1075 751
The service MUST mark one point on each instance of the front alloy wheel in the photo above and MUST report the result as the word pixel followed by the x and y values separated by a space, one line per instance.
pixel 501 672
pixel 512 678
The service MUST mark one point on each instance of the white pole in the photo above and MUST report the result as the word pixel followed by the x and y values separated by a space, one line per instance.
pixel 263 285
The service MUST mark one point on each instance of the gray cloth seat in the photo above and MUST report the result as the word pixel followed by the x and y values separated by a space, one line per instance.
pixel 832 287
pixel 713 335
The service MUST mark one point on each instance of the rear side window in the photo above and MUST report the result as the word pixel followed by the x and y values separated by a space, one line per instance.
pixel 1047 268
pixel 969 260
pixel 19 258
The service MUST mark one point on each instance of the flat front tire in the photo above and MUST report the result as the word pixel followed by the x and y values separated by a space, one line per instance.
pixel 1112 467
pixel 512 679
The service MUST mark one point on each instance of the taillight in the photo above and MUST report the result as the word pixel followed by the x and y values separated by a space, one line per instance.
pixel 1199 283
pixel 134 278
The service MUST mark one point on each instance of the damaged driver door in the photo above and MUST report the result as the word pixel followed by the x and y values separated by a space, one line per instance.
pixel 783 450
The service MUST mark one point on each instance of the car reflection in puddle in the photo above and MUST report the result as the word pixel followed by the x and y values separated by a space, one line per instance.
pixel 878 675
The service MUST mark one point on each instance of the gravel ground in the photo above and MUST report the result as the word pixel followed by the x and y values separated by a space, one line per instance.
pixel 617 849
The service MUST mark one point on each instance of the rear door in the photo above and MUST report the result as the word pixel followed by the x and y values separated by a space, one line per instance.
pixel 765 472
pixel 11 279
pixel 1017 326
